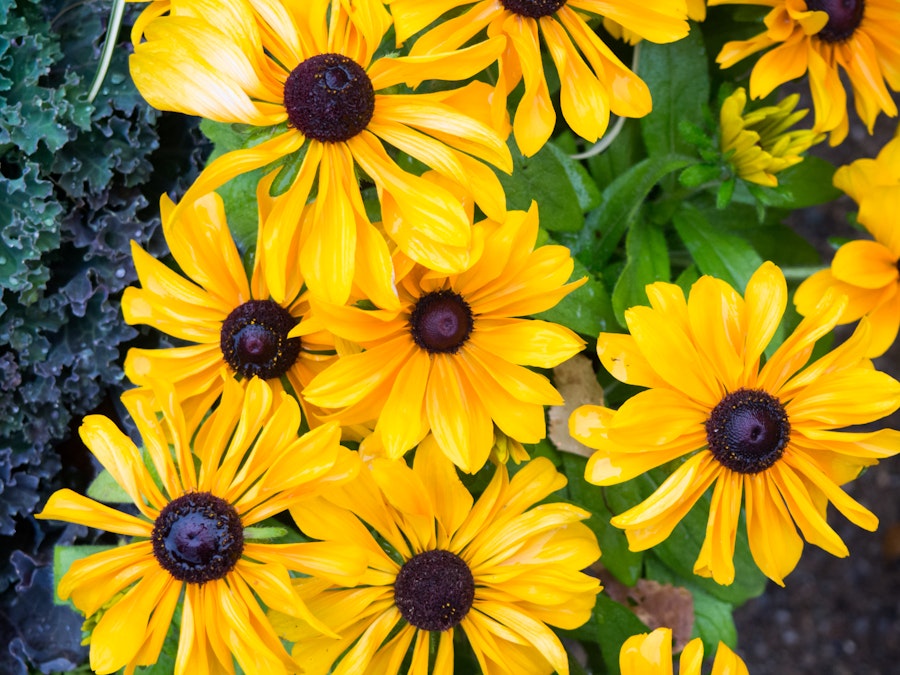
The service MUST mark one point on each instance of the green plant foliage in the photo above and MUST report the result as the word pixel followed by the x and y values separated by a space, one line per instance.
pixel 76 188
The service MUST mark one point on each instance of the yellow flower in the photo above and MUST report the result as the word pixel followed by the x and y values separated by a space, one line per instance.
pixel 651 654
pixel 190 531
pixel 593 81
pixel 866 271
pixel 451 359
pixel 307 72
pixel 768 433
pixel 497 569
pixel 822 37
pixel 231 321
pixel 759 141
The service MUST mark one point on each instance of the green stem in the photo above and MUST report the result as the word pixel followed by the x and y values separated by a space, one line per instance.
pixel 112 33
pixel 801 273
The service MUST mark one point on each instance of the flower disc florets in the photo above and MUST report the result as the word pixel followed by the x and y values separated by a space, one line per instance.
pixel 198 537
pixel 329 98
pixel 532 9
pixel 434 590
pixel 441 322
pixel 748 430
pixel 844 16
pixel 255 339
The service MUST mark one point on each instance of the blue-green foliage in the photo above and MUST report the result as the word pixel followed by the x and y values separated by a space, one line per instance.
pixel 77 183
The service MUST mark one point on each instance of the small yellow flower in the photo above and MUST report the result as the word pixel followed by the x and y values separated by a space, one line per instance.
pixel 767 433
pixel 499 569
pixel 867 271
pixel 593 81
pixel 760 143
pixel 453 359
pixel 651 654
pixel 821 38
pixel 189 531
pixel 230 321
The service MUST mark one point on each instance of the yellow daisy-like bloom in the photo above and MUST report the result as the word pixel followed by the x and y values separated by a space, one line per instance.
pixel 232 321
pixel 451 359
pixel 768 433
pixel 651 654
pixel 497 569
pixel 822 37
pixel 190 531
pixel 866 270
pixel 308 72
pixel 761 141
pixel 593 81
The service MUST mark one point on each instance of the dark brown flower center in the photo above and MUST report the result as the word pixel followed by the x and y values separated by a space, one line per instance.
pixel 329 98
pixel 198 537
pixel 532 9
pixel 748 430
pixel 254 339
pixel 843 17
pixel 441 322
pixel 434 590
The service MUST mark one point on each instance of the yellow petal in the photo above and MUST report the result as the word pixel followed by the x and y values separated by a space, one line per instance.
pixel 774 542
pixel 72 507
pixel 716 558
pixel 122 629
pixel 865 263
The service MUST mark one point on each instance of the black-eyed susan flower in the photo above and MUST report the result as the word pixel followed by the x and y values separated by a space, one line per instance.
pixel 189 532
pixel 452 359
pixel 760 143
pixel 767 434
pixel 593 81
pixel 651 654
pixel 307 71
pixel 501 570
pixel 231 321
pixel 823 38
pixel 866 270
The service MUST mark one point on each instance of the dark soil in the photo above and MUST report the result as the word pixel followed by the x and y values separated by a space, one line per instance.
pixel 838 615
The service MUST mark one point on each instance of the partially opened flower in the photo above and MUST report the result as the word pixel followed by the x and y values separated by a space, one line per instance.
pixel 765 434
pixel 500 570
pixel 232 322
pixel 190 542
pixel 867 270
pixel 452 359
pixel 651 654
pixel 823 38
pixel 307 72
pixel 761 142
pixel 593 81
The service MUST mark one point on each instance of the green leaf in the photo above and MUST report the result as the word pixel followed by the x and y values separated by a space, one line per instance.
pixel 678 76
pixel 585 188
pixel 604 227
pixel 543 178
pixel 808 183
pixel 104 488
pixel 716 253
pixel 267 533
pixel 587 310
pixel 647 262
pixel 623 564
pixel 615 624
pixel 63 557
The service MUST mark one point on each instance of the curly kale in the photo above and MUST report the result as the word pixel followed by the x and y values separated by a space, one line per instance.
pixel 78 182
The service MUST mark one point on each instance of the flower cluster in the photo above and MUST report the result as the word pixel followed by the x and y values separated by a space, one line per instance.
pixel 371 288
